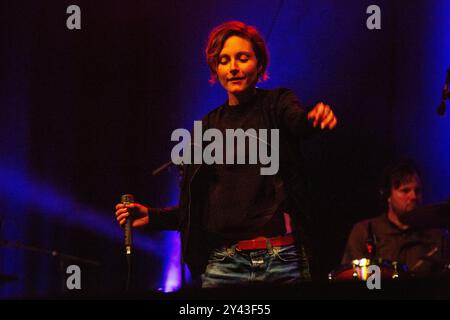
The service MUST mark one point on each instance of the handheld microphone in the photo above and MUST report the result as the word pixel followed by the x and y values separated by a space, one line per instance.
pixel 127 199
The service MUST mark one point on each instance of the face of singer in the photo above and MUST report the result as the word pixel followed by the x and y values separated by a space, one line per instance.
pixel 237 69
pixel 407 197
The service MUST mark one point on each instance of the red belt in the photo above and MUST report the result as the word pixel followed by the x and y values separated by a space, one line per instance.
pixel 262 242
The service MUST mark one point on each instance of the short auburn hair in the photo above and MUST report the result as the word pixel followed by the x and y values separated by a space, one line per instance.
pixel 221 33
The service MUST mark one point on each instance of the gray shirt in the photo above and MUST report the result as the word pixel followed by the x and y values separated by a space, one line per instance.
pixel 422 251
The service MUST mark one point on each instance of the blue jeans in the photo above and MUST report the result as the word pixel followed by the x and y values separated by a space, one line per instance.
pixel 278 265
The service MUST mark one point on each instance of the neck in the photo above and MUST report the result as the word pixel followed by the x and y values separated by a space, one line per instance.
pixel 393 217
pixel 235 99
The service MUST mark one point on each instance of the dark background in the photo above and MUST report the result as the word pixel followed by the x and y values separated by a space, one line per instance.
pixel 87 115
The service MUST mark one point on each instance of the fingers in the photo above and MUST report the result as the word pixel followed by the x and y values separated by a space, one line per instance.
pixel 122 212
pixel 122 217
pixel 322 115
pixel 330 118
pixel 316 113
pixel 129 205
pixel 333 123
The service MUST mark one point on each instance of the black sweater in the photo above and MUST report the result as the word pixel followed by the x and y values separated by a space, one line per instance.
pixel 276 109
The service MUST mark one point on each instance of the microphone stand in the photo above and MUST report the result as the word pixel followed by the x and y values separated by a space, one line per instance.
pixel 445 95
pixel 53 253
pixel 162 168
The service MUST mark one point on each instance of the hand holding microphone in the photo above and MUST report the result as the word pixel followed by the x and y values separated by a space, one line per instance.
pixel 130 214
pixel 138 212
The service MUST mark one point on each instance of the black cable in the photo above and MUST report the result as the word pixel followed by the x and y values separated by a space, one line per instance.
pixel 127 287
pixel 183 271
pixel 445 95
pixel 274 20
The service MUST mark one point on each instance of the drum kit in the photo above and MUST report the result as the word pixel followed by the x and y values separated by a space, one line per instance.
pixel 433 216
pixel 359 270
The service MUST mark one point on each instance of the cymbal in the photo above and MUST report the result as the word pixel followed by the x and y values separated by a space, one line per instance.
pixel 432 216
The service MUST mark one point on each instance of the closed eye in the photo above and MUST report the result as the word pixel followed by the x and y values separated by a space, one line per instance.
pixel 243 57
pixel 224 60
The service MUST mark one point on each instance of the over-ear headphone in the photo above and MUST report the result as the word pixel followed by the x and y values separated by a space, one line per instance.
pixel 384 188
pixel 384 193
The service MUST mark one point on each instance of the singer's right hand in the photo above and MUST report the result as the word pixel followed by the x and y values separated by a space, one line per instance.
pixel 140 214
